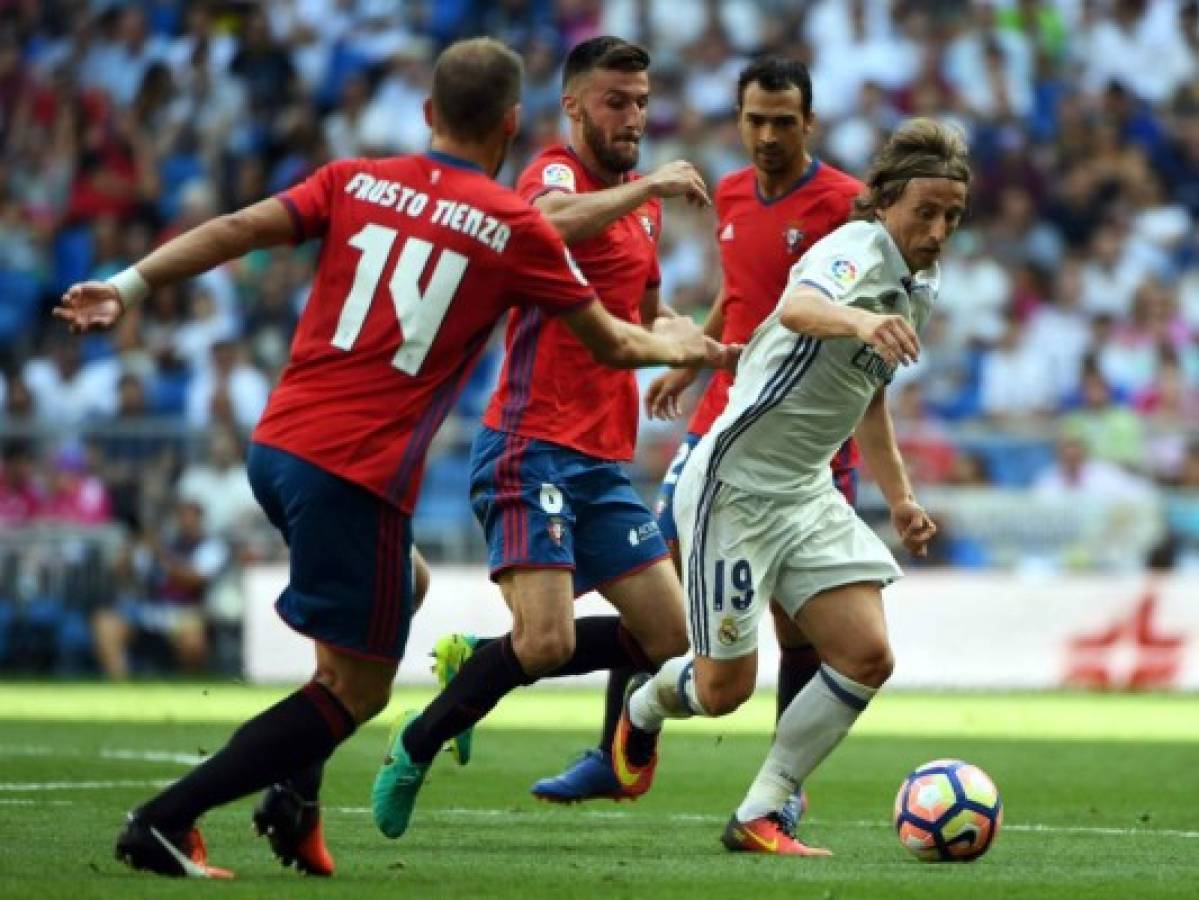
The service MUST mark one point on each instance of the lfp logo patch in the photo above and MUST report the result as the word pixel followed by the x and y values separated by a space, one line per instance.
pixel 843 271
pixel 559 176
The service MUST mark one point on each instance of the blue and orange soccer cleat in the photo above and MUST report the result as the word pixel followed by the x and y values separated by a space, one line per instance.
pixel 397 783
pixel 141 845
pixel 765 835
pixel 633 779
pixel 590 777
pixel 293 827
pixel 449 654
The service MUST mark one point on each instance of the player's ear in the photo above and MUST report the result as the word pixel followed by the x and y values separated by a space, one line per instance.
pixel 428 108
pixel 570 106
pixel 512 120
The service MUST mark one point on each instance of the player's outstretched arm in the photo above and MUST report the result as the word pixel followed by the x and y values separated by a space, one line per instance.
pixel 807 311
pixel 98 304
pixel 662 395
pixel 876 437
pixel 672 342
pixel 577 217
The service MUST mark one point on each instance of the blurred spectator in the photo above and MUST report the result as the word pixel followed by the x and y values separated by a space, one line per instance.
pixel 1110 433
pixel 76 496
pixel 65 391
pixel 20 495
pixel 1014 380
pixel 166 586
pixel 136 461
pixel 1077 475
pixel 229 390
pixel 221 487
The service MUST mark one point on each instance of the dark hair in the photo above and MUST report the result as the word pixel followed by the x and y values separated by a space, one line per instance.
pixel 475 82
pixel 604 52
pixel 920 148
pixel 777 73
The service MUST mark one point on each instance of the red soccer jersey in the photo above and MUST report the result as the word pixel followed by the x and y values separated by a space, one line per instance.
pixel 421 257
pixel 759 242
pixel 550 388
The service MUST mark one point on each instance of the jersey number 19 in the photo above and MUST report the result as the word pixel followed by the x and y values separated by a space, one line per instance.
pixel 419 315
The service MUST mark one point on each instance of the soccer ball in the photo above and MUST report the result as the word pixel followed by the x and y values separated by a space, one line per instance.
pixel 948 811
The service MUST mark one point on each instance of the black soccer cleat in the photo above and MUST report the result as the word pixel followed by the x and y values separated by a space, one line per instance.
pixel 146 847
pixel 293 827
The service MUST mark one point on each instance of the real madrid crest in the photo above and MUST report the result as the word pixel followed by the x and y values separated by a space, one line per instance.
pixel 728 632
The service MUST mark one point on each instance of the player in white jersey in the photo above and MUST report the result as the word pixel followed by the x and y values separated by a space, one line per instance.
pixel 757 512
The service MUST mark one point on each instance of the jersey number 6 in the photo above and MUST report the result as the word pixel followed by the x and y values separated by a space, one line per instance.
pixel 419 314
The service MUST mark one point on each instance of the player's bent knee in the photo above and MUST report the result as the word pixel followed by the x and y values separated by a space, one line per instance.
pixel 540 654
pixel 870 665
pixel 666 643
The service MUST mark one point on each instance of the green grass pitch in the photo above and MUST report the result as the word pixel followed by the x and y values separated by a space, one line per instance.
pixel 1101 797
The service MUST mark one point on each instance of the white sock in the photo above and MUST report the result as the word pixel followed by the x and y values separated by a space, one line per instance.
pixel 660 699
pixel 808 730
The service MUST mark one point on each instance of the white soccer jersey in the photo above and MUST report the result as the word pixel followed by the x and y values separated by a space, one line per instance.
pixel 796 399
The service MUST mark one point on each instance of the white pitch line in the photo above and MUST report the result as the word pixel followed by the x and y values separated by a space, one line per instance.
pixel 701 819
pixel 21 787
pixel 14 801
pixel 183 759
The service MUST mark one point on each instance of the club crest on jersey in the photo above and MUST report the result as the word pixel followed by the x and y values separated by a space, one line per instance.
pixel 558 175
pixel 557 530
pixel 793 236
pixel 843 271
pixel 729 632
pixel 726 233
pixel 648 224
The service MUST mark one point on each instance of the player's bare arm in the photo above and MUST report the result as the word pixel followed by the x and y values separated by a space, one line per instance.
pixel 876 437
pixel 807 311
pixel 577 217
pixel 662 396
pixel 673 342
pixel 98 304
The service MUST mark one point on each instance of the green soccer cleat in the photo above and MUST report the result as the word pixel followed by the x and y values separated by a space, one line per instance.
pixel 449 654
pixel 397 783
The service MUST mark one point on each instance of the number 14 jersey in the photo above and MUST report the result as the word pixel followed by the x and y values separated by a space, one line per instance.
pixel 421 256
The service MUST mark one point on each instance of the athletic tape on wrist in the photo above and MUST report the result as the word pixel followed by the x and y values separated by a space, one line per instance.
pixel 131 286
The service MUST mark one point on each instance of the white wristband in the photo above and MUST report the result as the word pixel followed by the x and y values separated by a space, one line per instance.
pixel 130 285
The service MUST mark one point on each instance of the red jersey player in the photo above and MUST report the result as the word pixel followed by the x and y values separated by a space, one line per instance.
pixel 421 257
pixel 768 214
pixel 560 514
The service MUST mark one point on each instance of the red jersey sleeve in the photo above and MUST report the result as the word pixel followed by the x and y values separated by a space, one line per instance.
pixel 556 172
pixel 545 272
pixel 311 201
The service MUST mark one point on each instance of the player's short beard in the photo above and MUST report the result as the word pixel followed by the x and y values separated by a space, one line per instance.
pixel 607 154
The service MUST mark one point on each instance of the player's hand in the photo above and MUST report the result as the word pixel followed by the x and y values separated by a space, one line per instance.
pixel 662 396
pixel 914 526
pixel 697 348
pixel 892 338
pixel 89 305
pixel 679 179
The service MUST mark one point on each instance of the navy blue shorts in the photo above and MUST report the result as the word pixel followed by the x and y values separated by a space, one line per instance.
pixel 544 506
pixel 350 577
pixel 664 508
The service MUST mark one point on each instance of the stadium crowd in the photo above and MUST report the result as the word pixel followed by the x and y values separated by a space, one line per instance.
pixel 1064 360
